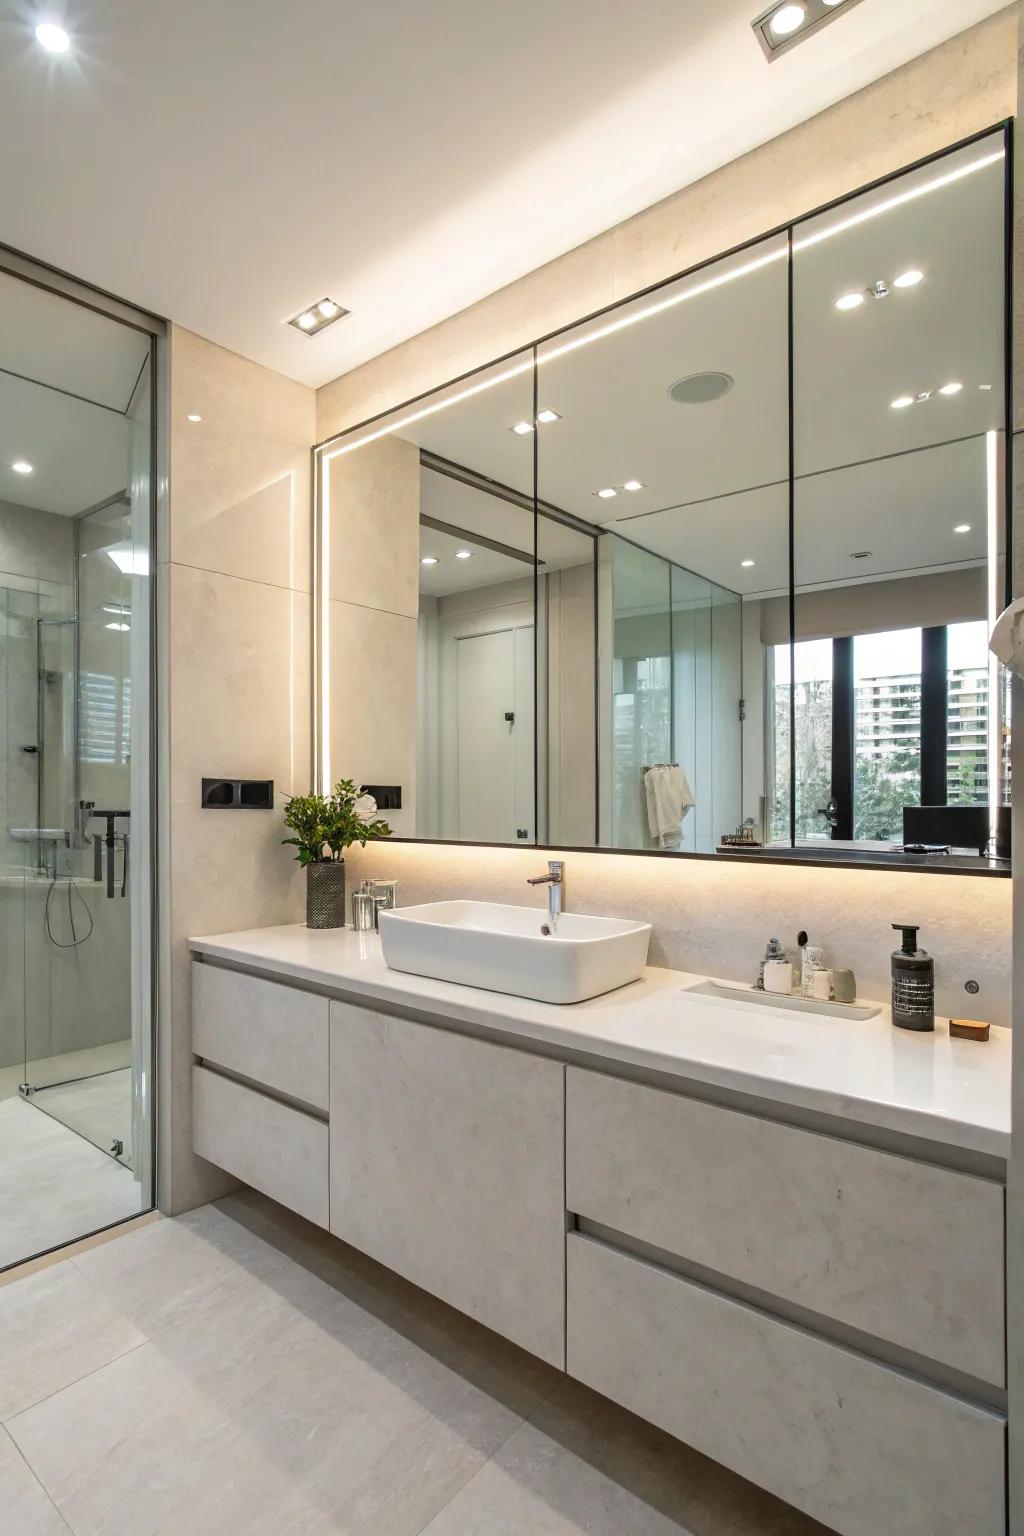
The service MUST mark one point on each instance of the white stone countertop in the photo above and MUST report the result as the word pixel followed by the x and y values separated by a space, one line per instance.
pixel 954 1092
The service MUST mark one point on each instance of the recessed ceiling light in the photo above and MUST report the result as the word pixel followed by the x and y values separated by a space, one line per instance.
pixel 633 485
pixel 850 301
pixel 53 38
pixel 962 528
pixel 317 317
pixel 746 564
pixel 787 19
pixel 194 416
pixel 521 428
pixel 831 3
pixel 902 401
pixel 908 279
pixel 428 560
pixel 22 467
pixel 952 388
pixel 606 492
pixel 984 386
pixel 463 554
pixel 547 416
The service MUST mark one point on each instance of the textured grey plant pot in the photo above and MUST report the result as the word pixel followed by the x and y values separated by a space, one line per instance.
pixel 325 894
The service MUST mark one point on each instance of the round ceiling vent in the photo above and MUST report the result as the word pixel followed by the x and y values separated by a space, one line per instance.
pixel 700 388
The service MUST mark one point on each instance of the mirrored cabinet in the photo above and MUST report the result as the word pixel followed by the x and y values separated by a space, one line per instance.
pixel 711 572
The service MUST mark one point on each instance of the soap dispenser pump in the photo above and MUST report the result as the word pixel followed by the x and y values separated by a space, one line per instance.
pixel 913 983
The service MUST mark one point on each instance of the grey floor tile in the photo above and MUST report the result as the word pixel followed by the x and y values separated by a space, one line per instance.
pixel 25 1509
pixel 55 1328
pixel 286 1407
pixel 583 1467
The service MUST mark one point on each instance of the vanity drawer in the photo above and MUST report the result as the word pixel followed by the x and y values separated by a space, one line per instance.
pixel 274 1034
pixel 862 1448
pixel 896 1248
pixel 265 1143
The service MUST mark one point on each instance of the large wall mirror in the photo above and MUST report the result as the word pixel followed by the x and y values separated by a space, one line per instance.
pixel 710 573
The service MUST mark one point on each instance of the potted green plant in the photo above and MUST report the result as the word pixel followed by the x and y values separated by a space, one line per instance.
pixel 324 826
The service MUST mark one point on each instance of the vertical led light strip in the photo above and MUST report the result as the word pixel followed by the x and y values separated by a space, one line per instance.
pixel 323 473
pixel 994 733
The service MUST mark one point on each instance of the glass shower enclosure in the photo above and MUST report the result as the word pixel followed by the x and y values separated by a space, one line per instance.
pixel 76 513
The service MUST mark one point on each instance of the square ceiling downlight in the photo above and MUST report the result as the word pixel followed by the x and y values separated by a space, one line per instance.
pixel 789 22
pixel 317 317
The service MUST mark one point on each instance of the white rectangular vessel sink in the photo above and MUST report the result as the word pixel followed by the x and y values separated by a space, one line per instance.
pixel 503 949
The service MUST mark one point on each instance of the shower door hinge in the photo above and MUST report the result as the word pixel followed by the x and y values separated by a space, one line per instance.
pixel 743 710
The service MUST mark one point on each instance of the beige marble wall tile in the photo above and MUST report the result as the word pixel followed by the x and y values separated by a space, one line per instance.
pixel 240 481
pixel 714 916
pixel 373 702
pixel 375 526
pixel 554 295
pixel 239 705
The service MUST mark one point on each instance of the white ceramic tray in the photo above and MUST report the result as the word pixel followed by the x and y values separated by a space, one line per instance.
pixel 861 1009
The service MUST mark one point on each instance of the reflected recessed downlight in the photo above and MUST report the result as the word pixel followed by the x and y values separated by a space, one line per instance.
pixel 428 560
pixel 463 554
pixel 22 467
pixel 902 401
pixel 746 564
pixel 962 528
pixel 908 279
pixel 53 38
pixel 547 415
pixel 606 492
pixel 194 416
pixel 787 20
pixel 850 301
pixel 121 627
pixel 633 485
pixel 952 388
pixel 522 428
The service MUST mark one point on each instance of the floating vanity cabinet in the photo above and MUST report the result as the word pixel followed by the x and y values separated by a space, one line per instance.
pixel 868 1450
pixel 895 1248
pixel 447 1166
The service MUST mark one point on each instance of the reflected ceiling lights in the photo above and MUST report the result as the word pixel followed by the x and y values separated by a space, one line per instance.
pixel 22 467
pixel 428 560
pixel 194 416
pixel 318 317
pixel 850 301
pixel 463 554
pixel 524 428
pixel 962 528
pixel 789 22
pixel 606 492
pixel 130 562
pixel 633 485
pixel 908 279
pixel 879 289
pixel 746 564
pixel 53 38
pixel 121 627
pixel 952 388
pixel 901 402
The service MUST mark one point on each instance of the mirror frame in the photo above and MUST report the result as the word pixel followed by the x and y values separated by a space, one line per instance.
pixel 795 854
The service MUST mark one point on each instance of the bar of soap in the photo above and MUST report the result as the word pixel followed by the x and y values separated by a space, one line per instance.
pixel 968 1029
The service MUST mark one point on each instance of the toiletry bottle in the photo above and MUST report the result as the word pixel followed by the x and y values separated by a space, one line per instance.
pixel 913 983
pixel 774 951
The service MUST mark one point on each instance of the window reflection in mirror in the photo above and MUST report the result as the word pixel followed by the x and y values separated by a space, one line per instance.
pixel 672 446
pixel 898 369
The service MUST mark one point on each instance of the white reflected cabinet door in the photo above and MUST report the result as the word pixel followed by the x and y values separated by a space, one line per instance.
pixel 447 1166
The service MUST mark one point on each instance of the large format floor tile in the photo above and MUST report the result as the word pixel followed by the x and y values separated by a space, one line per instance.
pixel 55 1328
pixel 25 1509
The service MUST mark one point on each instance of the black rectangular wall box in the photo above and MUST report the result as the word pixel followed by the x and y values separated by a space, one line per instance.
pixel 387 796
pixel 238 794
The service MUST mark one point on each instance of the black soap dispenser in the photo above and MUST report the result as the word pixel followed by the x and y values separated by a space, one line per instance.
pixel 913 983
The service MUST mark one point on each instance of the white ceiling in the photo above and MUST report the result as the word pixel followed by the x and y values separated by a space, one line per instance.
pixel 227 164
pixel 715 489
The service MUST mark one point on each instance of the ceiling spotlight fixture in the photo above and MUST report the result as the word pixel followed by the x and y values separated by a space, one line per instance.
pixel 850 301
pixel 908 279
pixel 428 560
pixel 962 528
pixel 746 564
pixel 902 401
pixel 952 388
pixel 546 416
pixel 787 19
pixel 783 25
pixel 633 485
pixel 522 428
pixel 194 416
pixel 463 554
pixel 53 38
pixel 317 317
pixel 606 492
pixel 22 467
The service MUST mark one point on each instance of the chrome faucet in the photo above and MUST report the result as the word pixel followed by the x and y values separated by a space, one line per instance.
pixel 555 882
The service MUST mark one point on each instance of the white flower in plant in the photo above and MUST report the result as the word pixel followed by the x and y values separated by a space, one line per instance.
pixel 365 808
